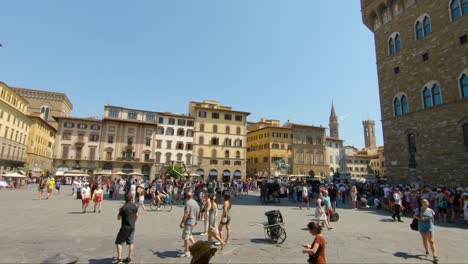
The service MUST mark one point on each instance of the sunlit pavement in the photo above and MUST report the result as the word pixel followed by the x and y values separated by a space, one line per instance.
pixel 33 230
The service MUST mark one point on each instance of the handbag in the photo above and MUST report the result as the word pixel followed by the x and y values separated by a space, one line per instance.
pixel 414 224
pixel 313 257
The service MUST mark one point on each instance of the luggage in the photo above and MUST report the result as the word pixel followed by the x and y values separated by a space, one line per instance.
pixel 334 217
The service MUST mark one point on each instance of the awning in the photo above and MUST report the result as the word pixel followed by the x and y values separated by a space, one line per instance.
pixel 13 175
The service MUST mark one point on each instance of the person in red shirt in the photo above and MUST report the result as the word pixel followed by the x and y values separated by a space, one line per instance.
pixel 316 250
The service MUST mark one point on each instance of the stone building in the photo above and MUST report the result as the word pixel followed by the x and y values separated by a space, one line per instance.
pixel 334 145
pixel 174 140
pixel 369 134
pixel 268 142
pixel 128 143
pixel 48 103
pixel 357 162
pixel 77 145
pixel 40 146
pixel 219 144
pixel 14 128
pixel 422 63
pixel 308 150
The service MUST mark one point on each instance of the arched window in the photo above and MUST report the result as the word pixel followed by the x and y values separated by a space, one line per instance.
pixel 464 85
pixel 45 111
pixel 465 6
pixel 226 154
pixel 238 130
pixel 427 98
pixel 213 153
pixel 436 98
pixel 397 107
pixel 391 46
pixel 215 129
pixel 228 129
pixel 455 9
pixel 200 156
pixel 427 25
pixel 419 30
pixel 237 154
pixel 404 105
pixel 397 43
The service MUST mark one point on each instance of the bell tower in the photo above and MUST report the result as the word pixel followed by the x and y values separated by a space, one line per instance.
pixel 369 134
pixel 333 124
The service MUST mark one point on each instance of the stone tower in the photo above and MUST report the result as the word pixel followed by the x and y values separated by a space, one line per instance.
pixel 333 124
pixel 369 134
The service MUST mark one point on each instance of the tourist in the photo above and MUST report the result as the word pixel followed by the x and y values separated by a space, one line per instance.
pixel 128 214
pixel 74 186
pixel 343 193
pixel 116 189
pixel 465 206
pixel 132 190
pixel 50 186
pixel 98 196
pixel 141 197
pixel 226 218
pixel 263 192
pixel 85 197
pixel 327 206
pixel 354 194
pixel 42 187
pixel 212 229
pixel 397 207
pixel 111 190
pixel 207 207
pixel 316 250
pixel 189 220
pixel 305 197
pixel 57 186
pixel 333 194
pixel 320 214
pixel 441 201
pixel 425 217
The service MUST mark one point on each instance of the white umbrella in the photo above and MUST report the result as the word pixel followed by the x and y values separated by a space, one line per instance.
pixel 121 173
pixel 135 174
pixel 13 175
pixel 3 184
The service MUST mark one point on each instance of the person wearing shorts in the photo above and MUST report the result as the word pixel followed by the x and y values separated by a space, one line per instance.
pixel 189 220
pixel 128 214
pixel 85 197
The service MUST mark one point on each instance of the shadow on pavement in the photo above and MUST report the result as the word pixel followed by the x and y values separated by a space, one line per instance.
pixel 261 241
pixel 103 260
pixel 409 256
pixel 76 212
pixel 167 254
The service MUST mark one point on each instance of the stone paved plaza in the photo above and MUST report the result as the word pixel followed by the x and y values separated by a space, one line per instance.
pixel 33 230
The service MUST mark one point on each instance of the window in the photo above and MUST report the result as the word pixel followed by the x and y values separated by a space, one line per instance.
pixel 160 130
pixel 465 134
pixel 92 153
pixel 147 156
pixel 404 105
pixel 455 9
pixel 396 70
pixel 202 114
pixel 189 133
pixel 148 141
pixel 95 127
pixel 94 138
pixel 431 96
pixel 132 115
pixel 226 154
pixel 215 129
pixel 65 149
pixel 148 132
pixel 465 6
pixel 239 118
pixel 228 129
pixel 238 130
pixel 189 123
pixel 111 129
pixel 45 111
pixel 189 146
pixel 397 107
pixel 168 144
pixel 181 122
pixel 180 132
pixel 464 85
pixel 170 131
pixel 68 125
pixel 215 115
pixel 201 140
pixel 161 120
pixel 419 31
pixel 213 153
pixel 214 141
pixel 202 127
pixel 110 139
pixel 463 39
pixel 227 117
pixel 237 154
pixel 159 143
pixel 180 145
pixel 131 130
pixel 425 56
pixel 427 26
pixel 171 121
pixel 150 117
pixel 129 141
pixel 82 126
pixel 114 113
pixel 394 44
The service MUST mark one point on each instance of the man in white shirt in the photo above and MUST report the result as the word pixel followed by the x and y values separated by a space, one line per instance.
pixel 85 196
pixel 397 196
pixel 305 197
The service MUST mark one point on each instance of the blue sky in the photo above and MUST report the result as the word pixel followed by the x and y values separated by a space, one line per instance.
pixel 285 60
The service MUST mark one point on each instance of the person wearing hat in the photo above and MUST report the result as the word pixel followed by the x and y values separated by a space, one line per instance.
pixel 85 196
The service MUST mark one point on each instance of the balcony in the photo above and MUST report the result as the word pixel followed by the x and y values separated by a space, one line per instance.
pixel 127 159
pixel 149 160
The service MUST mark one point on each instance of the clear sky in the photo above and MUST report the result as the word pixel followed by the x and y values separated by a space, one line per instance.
pixel 285 60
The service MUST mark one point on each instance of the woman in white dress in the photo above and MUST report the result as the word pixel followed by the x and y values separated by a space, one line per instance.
pixel 320 213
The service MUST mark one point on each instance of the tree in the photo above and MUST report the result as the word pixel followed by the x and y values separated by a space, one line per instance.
pixel 174 171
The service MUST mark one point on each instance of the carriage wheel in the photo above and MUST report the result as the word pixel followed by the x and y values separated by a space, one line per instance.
pixel 278 235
